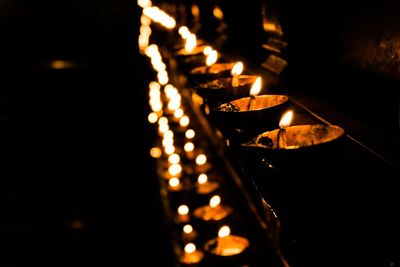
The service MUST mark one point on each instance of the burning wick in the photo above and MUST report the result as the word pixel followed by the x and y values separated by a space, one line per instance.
pixel 255 90
pixel 236 71
pixel 283 123
pixel 212 57
pixel 215 201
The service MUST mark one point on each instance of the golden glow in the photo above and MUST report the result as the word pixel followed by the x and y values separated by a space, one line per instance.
pixel 61 64
pixel 162 77
pixel 184 121
pixel 145 30
pixel 286 119
pixel 191 43
pixel 151 50
pixel 202 178
pixel 159 16
pixel 156 107
pixel 183 210
pixel 190 133
pixel 175 169
pixel 201 159
pixel 207 50
pixel 256 87
pixel 163 121
pixel 217 12
pixel 224 231
pixel 154 86
pixel 169 134
pixel 163 128
pixel 188 147
pixel 166 142
pixel 215 201
pixel 237 68
pixel 169 150
pixel 178 113
pixel 169 90
pixel 152 118
pixel 155 152
pixel 174 182
pixel 211 58
pixel 195 10
pixel 190 248
pixel 174 159
pixel 184 32
pixel 143 41
pixel 187 229
pixel 145 20
pixel 144 3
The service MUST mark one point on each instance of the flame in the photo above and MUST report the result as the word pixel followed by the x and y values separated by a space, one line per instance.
pixel 184 121
pixel 145 20
pixel 144 3
pixel 175 169
pixel 183 210
pixel 163 121
pixel 174 159
pixel 169 134
pixel 237 68
pixel 190 133
pixel 188 147
pixel 191 43
pixel 184 32
pixel 201 159
pixel 169 149
pixel 187 229
pixel 174 182
pixel 152 118
pixel 166 142
pixel 202 179
pixel 178 113
pixel 155 152
pixel 224 231
pixel 256 87
pixel 207 50
pixel 163 128
pixel 286 119
pixel 215 201
pixel 217 12
pixel 211 58
pixel 190 248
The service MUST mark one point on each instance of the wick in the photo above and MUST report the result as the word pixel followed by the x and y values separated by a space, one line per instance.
pixel 278 136
pixel 251 100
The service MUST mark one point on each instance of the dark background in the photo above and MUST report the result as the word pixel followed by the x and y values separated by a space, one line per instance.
pixel 76 189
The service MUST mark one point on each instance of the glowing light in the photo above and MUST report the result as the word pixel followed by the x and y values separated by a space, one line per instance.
pixel 169 134
pixel 163 121
pixel 191 43
pixel 286 119
pixel 207 50
pixel 211 58
pixel 237 68
pixel 155 152
pixel 162 77
pixel 178 113
pixel 202 179
pixel 174 159
pixel 166 142
pixel 169 150
pixel 187 229
pixel 163 128
pixel 184 121
pixel 190 248
pixel 256 87
pixel 175 169
pixel 190 133
pixel 174 182
pixel 145 30
pixel 144 3
pixel 201 159
pixel 215 201
pixel 152 118
pixel 145 20
pixel 217 12
pixel 61 64
pixel 184 31
pixel 224 231
pixel 183 210
pixel 188 147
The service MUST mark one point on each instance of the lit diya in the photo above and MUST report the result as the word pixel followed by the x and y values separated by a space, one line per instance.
pixel 253 112
pixel 214 211
pixel 191 255
pixel 204 186
pixel 296 139
pixel 226 247
pixel 191 55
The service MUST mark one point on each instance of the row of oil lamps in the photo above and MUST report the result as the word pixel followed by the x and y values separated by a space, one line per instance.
pixel 178 157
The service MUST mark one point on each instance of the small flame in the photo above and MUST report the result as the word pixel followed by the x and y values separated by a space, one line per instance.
pixel 188 147
pixel 217 12
pixel 190 248
pixel 187 229
pixel 215 201
pixel 175 169
pixel 163 121
pixel 184 32
pixel 184 121
pixel 256 87
pixel 286 119
pixel 174 159
pixel 183 210
pixel 189 134
pixel 211 58
pixel 152 118
pixel 174 182
pixel 168 134
pixel 202 179
pixel 201 159
pixel 169 149
pixel 207 50
pixel 178 113
pixel 224 231
pixel 237 68
pixel 191 43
